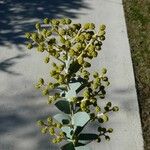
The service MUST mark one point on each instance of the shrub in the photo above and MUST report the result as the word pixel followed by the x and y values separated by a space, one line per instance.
pixel 69 48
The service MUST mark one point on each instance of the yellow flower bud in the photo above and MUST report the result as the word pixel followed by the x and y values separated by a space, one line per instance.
pixel 29 46
pixel 46 60
pixel 46 21
pixel 27 35
pixel 37 26
pixel 102 27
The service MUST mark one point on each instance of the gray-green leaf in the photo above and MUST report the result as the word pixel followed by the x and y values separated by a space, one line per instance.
pixel 68 146
pixel 80 119
pixel 64 106
pixel 62 118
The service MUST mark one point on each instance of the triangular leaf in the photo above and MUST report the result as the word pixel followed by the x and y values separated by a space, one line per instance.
pixel 64 106
pixel 74 67
pixel 68 131
pixel 72 91
pixel 102 118
pixel 83 148
pixel 68 146
pixel 87 136
pixel 80 119
pixel 78 130
pixel 62 118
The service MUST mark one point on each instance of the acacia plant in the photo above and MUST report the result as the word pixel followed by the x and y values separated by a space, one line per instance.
pixel 76 93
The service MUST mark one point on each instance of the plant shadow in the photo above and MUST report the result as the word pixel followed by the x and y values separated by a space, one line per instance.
pixel 19 16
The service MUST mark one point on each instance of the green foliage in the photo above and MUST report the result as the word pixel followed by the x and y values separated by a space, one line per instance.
pixel 76 93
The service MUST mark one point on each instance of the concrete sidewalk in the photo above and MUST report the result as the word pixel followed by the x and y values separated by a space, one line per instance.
pixel 21 105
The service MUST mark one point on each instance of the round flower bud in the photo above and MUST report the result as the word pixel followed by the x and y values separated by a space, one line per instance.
pixel 57 95
pixel 93 100
pixel 45 92
pixel 53 72
pixel 38 86
pixel 107 83
pixel 92 115
pixel 105 79
pixel 52 41
pixel 109 104
pixel 60 68
pixel 51 99
pixel 101 33
pixel 102 38
pixel 64 57
pixel 81 38
pixel 106 108
pixel 44 32
pixel 63 21
pixel 74 99
pixel 71 52
pixel 102 117
pixel 55 22
pixel 40 123
pixel 86 94
pixel 102 27
pixel 46 21
pixel 115 108
pixel 94 54
pixel 44 130
pixel 57 55
pixel 34 36
pixel 59 125
pixel 86 26
pixel 101 96
pixel 67 44
pixel 88 36
pixel 62 32
pixel 58 139
pixel 41 81
pixel 68 21
pixel 95 86
pixel 37 26
pixel 97 109
pixel 54 141
pixel 95 74
pixel 62 40
pixel 86 64
pixel 49 120
pixel 48 33
pixel 51 131
pixel 91 48
pixel 54 64
pixel 91 26
pixel 41 48
pixel 98 140
pixel 62 134
pixel 104 71
pixel 46 60
pixel 83 105
pixel 110 130
pixel 29 46
pixel 107 138
pixel 98 47
pixel 27 35
pixel 97 81
pixel 61 79
pixel 40 37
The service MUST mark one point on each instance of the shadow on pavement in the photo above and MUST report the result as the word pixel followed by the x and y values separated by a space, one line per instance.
pixel 19 16
pixel 6 64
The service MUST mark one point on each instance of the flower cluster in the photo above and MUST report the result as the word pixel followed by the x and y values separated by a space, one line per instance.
pixel 53 128
pixel 69 48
